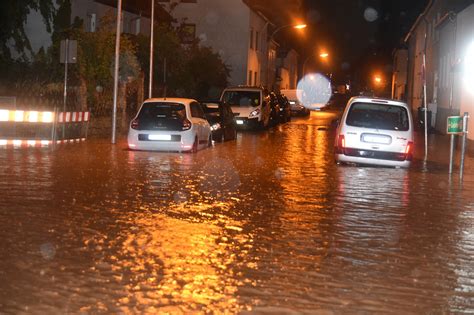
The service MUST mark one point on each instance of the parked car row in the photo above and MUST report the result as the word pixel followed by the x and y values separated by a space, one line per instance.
pixel 255 107
pixel 181 124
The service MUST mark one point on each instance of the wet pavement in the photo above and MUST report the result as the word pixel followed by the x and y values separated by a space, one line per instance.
pixel 265 224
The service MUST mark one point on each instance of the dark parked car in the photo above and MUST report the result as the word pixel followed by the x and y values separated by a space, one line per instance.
pixel 221 118
pixel 285 109
pixel 275 109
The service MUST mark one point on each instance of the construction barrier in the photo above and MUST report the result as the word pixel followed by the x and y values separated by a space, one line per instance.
pixel 19 128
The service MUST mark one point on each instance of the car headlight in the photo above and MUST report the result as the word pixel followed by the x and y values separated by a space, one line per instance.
pixel 255 113
pixel 215 126
pixel 292 102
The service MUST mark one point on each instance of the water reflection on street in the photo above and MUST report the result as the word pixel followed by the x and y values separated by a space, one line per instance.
pixel 266 224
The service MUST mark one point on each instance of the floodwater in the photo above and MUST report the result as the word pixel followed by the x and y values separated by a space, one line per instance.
pixel 265 224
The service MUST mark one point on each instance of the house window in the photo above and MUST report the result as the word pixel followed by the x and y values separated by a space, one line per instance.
pixel 251 38
pixel 137 25
pixel 255 78
pixel 256 41
pixel 187 33
pixel 250 78
pixel 92 20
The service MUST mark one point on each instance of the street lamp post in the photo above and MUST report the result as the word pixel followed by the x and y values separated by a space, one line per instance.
pixel 296 26
pixel 150 87
pixel 116 68
pixel 272 35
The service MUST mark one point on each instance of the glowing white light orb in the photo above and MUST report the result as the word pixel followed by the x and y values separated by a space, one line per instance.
pixel 314 91
pixel 370 14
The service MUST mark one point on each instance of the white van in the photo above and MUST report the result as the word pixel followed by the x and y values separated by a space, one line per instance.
pixel 251 106
pixel 375 131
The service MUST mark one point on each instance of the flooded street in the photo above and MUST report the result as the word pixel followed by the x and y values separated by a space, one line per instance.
pixel 267 224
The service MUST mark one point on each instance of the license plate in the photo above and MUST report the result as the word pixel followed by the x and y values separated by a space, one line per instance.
pixel 380 139
pixel 159 137
pixel 239 122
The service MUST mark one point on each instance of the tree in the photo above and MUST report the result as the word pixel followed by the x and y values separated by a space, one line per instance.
pixel 13 15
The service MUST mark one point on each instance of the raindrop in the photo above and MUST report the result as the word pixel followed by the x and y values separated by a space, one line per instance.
pixel 314 90
pixel 47 250
pixel 220 177
pixel 180 197
pixel 212 18
pixel 202 37
pixel 442 185
pixel 279 173
pixel 370 14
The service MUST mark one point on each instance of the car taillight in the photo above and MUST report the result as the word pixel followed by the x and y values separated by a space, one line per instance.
pixel 134 124
pixel 341 144
pixel 409 151
pixel 186 124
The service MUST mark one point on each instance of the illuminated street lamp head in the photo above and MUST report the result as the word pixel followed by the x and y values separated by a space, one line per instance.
pixel 324 55
pixel 300 26
pixel 378 79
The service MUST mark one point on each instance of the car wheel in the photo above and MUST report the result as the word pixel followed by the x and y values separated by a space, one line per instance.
pixel 194 149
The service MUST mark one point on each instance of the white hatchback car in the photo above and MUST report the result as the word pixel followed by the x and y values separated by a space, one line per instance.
pixel 375 131
pixel 169 124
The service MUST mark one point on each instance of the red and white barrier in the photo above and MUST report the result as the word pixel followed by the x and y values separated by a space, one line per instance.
pixel 25 143
pixel 67 117
pixel 30 116
pixel 70 140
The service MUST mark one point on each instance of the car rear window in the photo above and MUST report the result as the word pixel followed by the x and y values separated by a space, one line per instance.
pixel 162 115
pixel 242 98
pixel 378 116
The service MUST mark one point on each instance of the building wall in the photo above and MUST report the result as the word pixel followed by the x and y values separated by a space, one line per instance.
pixel 289 71
pixel 400 68
pixel 225 27
pixel 446 94
pixel 442 30
pixel 257 52
pixel 464 39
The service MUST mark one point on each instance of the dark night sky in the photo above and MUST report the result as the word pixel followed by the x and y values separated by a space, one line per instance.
pixel 358 33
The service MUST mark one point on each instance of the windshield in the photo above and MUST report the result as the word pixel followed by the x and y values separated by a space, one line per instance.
pixel 162 110
pixel 161 116
pixel 242 98
pixel 378 116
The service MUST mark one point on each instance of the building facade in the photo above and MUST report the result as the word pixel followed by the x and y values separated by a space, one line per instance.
pixel 241 37
pixel 436 51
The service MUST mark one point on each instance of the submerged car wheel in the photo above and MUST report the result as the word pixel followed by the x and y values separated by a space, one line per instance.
pixel 194 149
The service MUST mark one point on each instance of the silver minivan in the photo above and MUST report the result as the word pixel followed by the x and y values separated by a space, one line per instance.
pixel 375 131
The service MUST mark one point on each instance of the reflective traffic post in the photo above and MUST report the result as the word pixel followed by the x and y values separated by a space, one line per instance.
pixel 457 125
pixel 464 141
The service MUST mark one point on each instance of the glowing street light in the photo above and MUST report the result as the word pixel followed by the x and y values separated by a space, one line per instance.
pixel 324 55
pixel 299 26
pixel 296 26
pixel 378 79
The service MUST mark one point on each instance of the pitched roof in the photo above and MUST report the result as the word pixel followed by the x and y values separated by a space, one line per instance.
pixel 141 7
